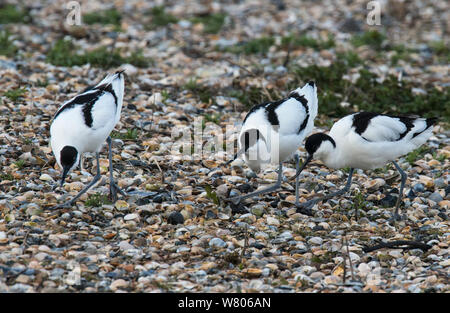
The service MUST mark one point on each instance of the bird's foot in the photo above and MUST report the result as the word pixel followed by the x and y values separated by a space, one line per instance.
pixel 396 218
pixel 113 190
pixel 235 200
pixel 65 205
pixel 305 208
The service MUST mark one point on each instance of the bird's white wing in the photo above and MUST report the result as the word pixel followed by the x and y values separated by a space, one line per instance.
pixel 385 128
pixel 103 111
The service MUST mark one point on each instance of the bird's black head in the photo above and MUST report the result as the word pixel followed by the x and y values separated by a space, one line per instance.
pixel 68 157
pixel 314 141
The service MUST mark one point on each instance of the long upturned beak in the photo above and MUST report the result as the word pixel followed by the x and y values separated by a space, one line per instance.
pixel 308 159
pixel 65 171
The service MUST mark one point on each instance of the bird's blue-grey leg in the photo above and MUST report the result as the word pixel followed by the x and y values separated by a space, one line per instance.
pixel 400 193
pixel 309 204
pixel 69 203
pixel 297 179
pixel 277 185
pixel 113 188
pixel 300 208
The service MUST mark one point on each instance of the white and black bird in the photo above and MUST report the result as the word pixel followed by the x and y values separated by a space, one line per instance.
pixel 273 131
pixel 367 140
pixel 83 124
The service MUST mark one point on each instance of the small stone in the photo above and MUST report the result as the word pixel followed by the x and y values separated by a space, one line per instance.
pixel 440 182
pixel 125 245
pixel 175 218
pixel 418 187
pixel 272 221
pixel 217 243
pixel 396 253
pixel 375 184
pixel 118 283
pixel 315 241
pixel 331 280
pixel 388 201
pixel 252 272
pixel 222 190
pixel 436 197
pixel 131 216
pixel 426 181
pixel 121 204
pixel 46 177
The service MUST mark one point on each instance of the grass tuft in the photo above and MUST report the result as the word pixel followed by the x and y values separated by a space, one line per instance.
pixel 7 47
pixel 10 13
pixel 15 94
pixel 106 17
pixel 160 17
pixel 131 134
pixel 306 41
pixel 212 22
pixel 254 46
pixel 372 38
pixel 97 200
pixel 63 53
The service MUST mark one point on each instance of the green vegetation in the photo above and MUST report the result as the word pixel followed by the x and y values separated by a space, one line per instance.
pixel 20 164
pixel 160 17
pixel 401 53
pixel 417 154
pixel 6 177
pixel 254 46
pixel 441 49
pixel 131 134
pixel 212 22
pixel 10 13
pixel 7 47
pixel 111 16
pixel 251 95
pixel 204 93
pixel 165 96
pixel 97 200
pixel 372 38
pixel 349 58
pixel 213 118
pixel 359 204
pixel 305 41
pixel 63 53
pixel 212 195
pixel 15 94
pixel 368 94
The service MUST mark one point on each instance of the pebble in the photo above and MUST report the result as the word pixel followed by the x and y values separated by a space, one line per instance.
pixel 118 283
pixel 436 197
pixel 175 218
pixel 315 241
pixel 272 221
pixel 217 243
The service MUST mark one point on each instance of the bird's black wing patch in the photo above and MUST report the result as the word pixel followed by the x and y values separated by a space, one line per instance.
pixel 108 88
pixel 254 109
pixel 304 102
pixel 361 121
pixel 87 100
pixel 408 123
pixel 271 114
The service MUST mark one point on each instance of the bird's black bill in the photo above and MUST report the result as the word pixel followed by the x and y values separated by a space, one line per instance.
pixel 63 178
pixel 308 159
